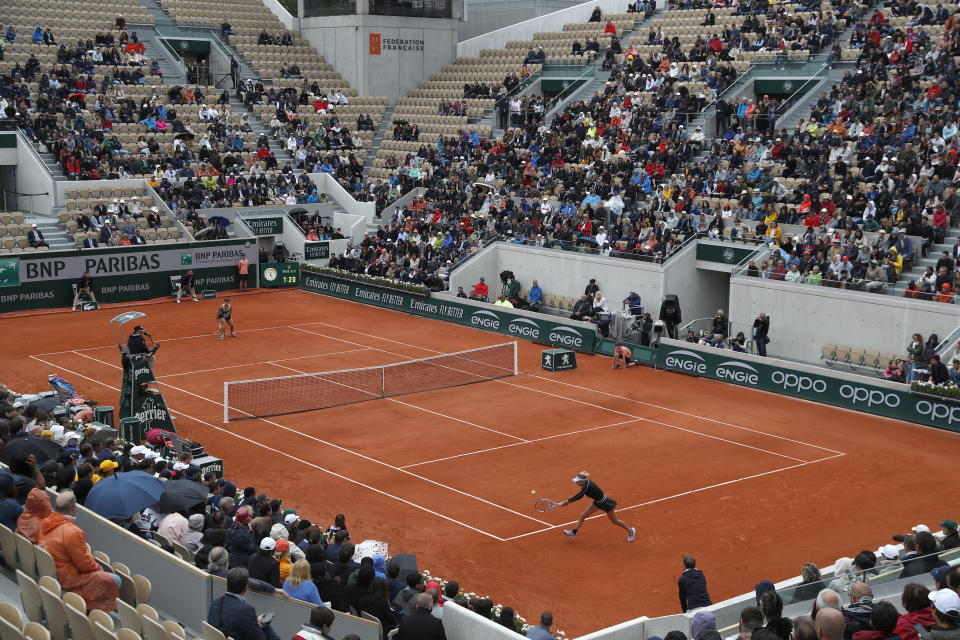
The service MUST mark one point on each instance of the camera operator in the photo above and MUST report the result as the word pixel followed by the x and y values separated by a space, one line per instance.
pixel 761 329
pixel 719 324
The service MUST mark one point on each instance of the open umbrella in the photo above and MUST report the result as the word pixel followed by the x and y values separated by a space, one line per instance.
pixel 102 434
pixel 23 446
pixel 124 494
pixel 219 221
pixel 297 211
pixel 180 495
pixel 46 404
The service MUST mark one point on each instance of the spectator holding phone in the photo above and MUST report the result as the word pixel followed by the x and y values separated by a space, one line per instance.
pixel 234 616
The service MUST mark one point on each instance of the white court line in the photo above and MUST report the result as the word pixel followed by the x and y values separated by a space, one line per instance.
pixel 472 424
pixel 517 444
pixel 251 364
pixel 590 404
pixel 598 391
pixel 294 458
pixel 680 495
pixel 345 450
pixel 201 335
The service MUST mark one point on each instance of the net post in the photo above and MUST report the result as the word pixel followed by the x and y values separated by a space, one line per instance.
pixel 226 402
pixel 383 382
pixel 516 367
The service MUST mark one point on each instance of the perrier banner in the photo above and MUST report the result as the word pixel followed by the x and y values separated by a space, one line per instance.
pixel 141 398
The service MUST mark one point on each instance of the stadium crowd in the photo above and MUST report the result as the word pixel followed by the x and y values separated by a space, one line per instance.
pixel 258 543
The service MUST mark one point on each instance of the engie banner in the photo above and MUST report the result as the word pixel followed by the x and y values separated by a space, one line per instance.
pixel 121 274
pixel 809 383
pixel 536 327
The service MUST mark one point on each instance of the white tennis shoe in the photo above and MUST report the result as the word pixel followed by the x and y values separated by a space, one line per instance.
pixel 570 532
pixel 631 535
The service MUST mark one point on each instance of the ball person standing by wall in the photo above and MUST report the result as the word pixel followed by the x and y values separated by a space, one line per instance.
pixel 84 285
pixel 243 266
pixel 186 284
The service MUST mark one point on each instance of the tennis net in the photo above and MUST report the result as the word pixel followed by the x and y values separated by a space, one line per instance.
pixel 266 397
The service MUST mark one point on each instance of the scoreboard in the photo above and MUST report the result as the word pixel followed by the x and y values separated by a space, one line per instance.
pixel 279 274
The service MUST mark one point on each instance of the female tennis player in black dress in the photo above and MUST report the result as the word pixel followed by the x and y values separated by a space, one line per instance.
pixel 600 502
pixel 225 317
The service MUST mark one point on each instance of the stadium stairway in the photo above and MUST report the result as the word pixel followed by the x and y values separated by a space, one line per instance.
pixel 378 138
pixel 53 233
pixel 173 74
pixel 166 24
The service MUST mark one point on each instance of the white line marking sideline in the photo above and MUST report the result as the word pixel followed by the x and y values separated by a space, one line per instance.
pixel 287 455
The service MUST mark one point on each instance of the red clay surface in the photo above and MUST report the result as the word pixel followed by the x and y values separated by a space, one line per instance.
pixel 752 484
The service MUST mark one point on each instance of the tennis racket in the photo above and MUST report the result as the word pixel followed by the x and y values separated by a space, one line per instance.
pixel 545 504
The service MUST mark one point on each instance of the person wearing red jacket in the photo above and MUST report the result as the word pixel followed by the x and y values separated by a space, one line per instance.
pixel 480 291
pixel 916 603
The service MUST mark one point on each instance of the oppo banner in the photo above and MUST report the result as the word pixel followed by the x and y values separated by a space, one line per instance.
pixel 847 391
pixel 546 329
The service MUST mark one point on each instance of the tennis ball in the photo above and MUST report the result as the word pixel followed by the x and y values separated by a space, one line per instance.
pixel 533 490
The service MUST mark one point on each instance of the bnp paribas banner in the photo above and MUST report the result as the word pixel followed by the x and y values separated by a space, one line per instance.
pixel 839 389
pixel 121 274
pixel 545 329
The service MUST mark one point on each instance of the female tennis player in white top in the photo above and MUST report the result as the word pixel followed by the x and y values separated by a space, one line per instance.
pixel 225 317
pixel 600 502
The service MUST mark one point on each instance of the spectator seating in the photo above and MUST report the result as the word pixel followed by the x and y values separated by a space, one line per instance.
pixel 864 361
pixel 13 233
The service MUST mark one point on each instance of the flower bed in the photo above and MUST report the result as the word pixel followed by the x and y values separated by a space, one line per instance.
pixel 383 283
pixel 463 598
pixel 945 391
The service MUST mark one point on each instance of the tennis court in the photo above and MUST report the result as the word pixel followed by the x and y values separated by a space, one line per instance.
pixel 697 466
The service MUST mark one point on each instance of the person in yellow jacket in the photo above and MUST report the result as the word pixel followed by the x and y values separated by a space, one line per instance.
pixel 894 261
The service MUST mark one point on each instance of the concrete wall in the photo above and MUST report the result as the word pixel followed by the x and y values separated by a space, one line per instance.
pixel 329 185
pixel 803 317
pixel 566 273
pixel 562 273
pixel 278 10
pixel 701 291
pixel 524 30
pixel 345 43
pixel 459 623
pixel 353 227
pixel 486 16
pixel 33 177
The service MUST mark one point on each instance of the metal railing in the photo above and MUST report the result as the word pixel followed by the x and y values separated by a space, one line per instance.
pixel 15 197
pixel 164 42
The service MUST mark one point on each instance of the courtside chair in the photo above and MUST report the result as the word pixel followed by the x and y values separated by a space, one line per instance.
pixel 26 556
pixel 128 589
pixel 127 634
pixel 885 358
pixel 76 601
pixel 50 583
pixel 46 566
pixel 153 630
pixel 128 615
pixel 146 612
pixel 843 353
pixel 9 631
pixel 30 597
pixel 10 613
pixel 210 632
pixel 828 351
pixel 871 359
pixel 80 626
pixel 98 616
pixel 56 613
pixel 174 630
pixel 8 543
pixel 35 631
pixel 144 588
pixel 856 356
pixel 102 632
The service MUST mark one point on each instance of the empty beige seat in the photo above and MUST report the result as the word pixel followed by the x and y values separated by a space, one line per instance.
pixel 828 351
pixel 843 353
